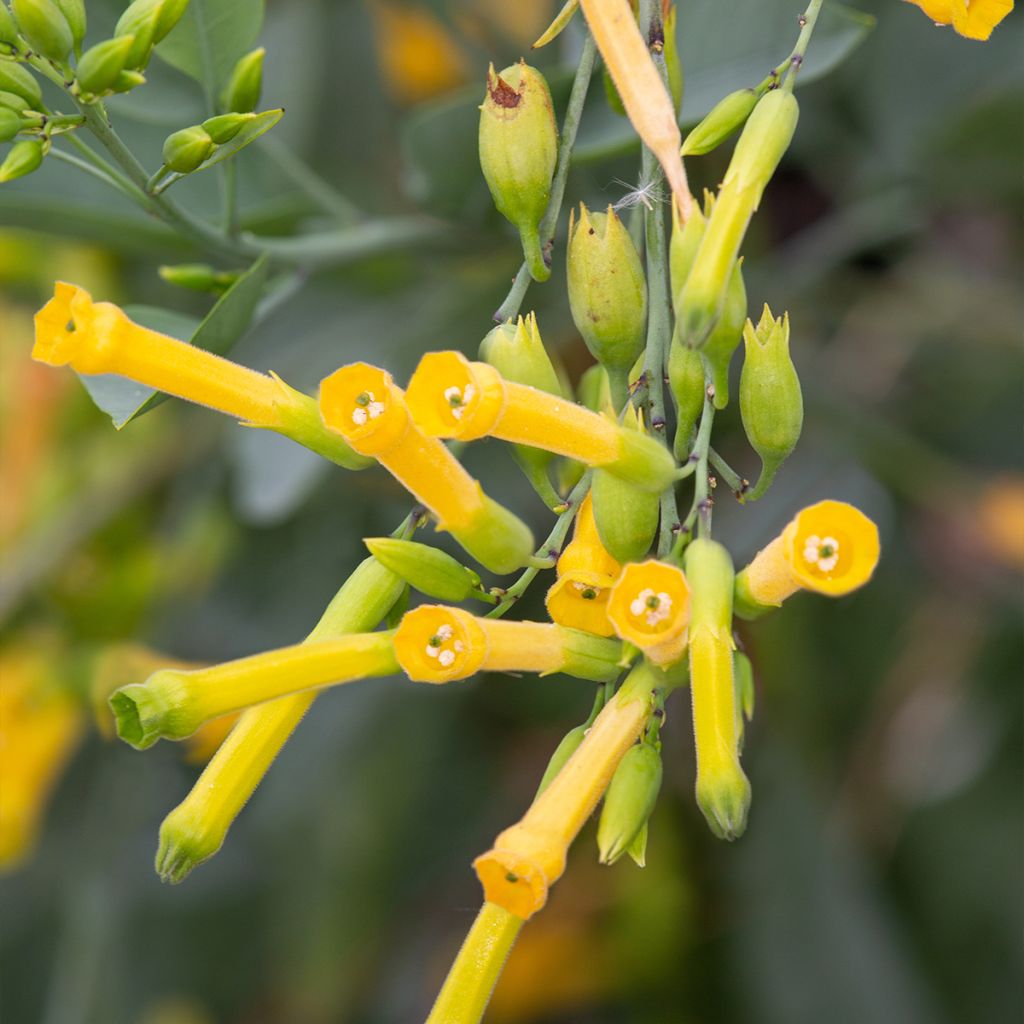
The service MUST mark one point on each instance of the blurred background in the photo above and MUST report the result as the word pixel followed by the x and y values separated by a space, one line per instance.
pixel 880 876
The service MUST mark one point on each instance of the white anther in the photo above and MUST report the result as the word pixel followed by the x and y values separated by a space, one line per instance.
pixel 459 646
pixel 822 552
pixel 431 651
pixel 359 415
pixel 376 409
pixel 446 658
pixel 445 632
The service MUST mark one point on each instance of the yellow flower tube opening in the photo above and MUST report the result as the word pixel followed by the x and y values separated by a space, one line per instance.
pixel 98 338
pixel 528 858
pixel 830 548
pixel 649 606
pixel 363 404
pixel 174 703
pixel 586 573
pixel 438 644
pixel 449 396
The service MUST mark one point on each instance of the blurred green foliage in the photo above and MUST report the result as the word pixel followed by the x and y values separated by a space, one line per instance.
pixel 880 877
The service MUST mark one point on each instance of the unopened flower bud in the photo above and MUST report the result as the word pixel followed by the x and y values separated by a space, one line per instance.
pixel 8 27
pixel 683 247
pixel 170 13
pixel 673 65
pixel 200 277
pixel 607 292
pixel 766 137
pixel 725 336
pixel 565 749
pixel 626 516
pixel 10 124
pixel 44 26
pixel 724 118
pixel 430 570
pixel 224 127
pixel 100 65
pixel 771 403
pixel 242 93
pixel 686 377
pixel 637 849
pixel 517 352
pixel 518 150
pixel 185 150
pixel 128 80
pixel 594 392
pixel 11 102
pixel 23 158
pixel 139 20
pixel 74 13
pixel 16 80
pixel 628 803
pixel 743 675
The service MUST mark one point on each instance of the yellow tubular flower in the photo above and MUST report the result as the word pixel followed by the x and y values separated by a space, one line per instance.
pixel 364 405
pixel 973 19
pixel 528 858
pixel 436 644
pixel 173 704
pixel 97 337
pixel 649 606
pixel 586 572
pixel 449 396
pixel 831 548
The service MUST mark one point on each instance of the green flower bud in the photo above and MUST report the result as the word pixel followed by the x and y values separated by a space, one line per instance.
pixel 170 13
pixel 200 277
pixel 430 570
pixel 607 291
pixel 45 28
pixel 611 94
pixel 766 137
pixel 11 102
pixel 771 403
pixel 16 80
pixel 101 64
pixel 594 391
pixel 185 150
pixel 74 14
pixel 518 150
pixel 517 352
pixel 743 675
pixel 725 336
pixel 628 803
pixel 140 21
pixel 724 118
pixel 683 247
pixel 10 124
pixel 128 80
pixel 23 158
pixel 673 65
pixel 626 517
pixel 242 93
pixel 638 848
pixel 570 741
pixel 686 379
pixel 224 127
pixel 8 27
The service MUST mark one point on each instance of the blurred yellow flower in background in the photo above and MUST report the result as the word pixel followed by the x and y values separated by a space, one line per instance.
pixel 973 19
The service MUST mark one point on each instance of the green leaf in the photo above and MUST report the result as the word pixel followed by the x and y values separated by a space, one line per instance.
pixel 123 400
pixel 261 123
pixel 211 36
pixel 723 49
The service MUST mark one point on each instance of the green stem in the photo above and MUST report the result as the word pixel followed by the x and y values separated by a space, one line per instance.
pixel 119 180
pixel 807 22
pixel 701 506
pixel 85 166
pixel 659 329
pixel 737 484
pixel 471 980
pixel 550 548
pixel 510 307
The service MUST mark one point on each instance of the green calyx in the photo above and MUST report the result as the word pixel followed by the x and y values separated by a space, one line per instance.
pixel 727 116
pixel 771 402
pixel 686 380
pixel 629 801
pixel 24 158
pixel 710 574
pixel 186 149
pixel 725 336
pixel 518 143
pixel 586 656
pixel 147 712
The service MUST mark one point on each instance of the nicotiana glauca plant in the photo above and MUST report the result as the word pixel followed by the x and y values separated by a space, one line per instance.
pixel 643 599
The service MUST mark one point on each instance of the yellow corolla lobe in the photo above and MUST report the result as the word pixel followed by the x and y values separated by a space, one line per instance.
pixel 649 607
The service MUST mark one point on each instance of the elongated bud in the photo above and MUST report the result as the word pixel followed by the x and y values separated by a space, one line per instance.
pixel 686 239
pixel 594 391
pixel 200 277
pixel 45 27
pixel 728 115
pixel 11 102
pixel 830 548
pixel 10 124
pixel 637 849
pixel 8 27
pixel 626 516
pixel 100 65
pixel 16 80
pixel 242 93
pixel 629 801
pixel 128 80
pixel 185 150
pixel 565 749
pixel 765 138
pixel 170 13
pixel 23 158
pixel 139 21
pixel 607 291
pixel 430 570
pixel 686 378
pixel 771 403
pixel 743 675
pixel 518 143
pixel 74 14
pixel 224 127
pixel 673 65
pixel 725 336
pixel 723 791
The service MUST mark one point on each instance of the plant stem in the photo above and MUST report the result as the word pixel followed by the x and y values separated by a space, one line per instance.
pixel 550 548
pixel 471 980
pixel 807 22
pixel 85 166
pixel 510 307
pixel 115 176
pixel 701 447
pixel 737 484
pixel 658 308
